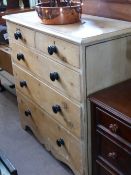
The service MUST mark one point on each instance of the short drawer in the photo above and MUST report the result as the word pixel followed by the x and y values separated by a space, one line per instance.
pixel 58 106
pixel 113 124
pixel 66 52
pixel 112 153
pixel 61 77
pixel 21 35
pixel 55 138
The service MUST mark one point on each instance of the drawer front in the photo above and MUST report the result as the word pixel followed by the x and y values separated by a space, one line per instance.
pixel 66 52
pixel 56 139
pixel 27 36
pixel 113 124
pixel 61 108
pixel 114 154
pixel 63 78
pixel 5 61
pixel 101 169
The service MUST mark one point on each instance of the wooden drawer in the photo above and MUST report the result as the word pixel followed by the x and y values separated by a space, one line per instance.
pixel 68 80
pixel 5 59
pixel 112 153
pixel 27 35
pixel 113 124
pixel 104 170
pixel 49 133
pixel 68 112
pixel 66 52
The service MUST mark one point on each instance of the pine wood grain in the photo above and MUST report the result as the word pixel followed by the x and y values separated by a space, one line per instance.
pixel 28 35
pixel 46 97
pixel 69 80
pixel 66 52
pixel 48 131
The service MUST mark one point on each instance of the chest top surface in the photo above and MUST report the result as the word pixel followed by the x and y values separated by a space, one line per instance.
pixel 90 29
pixel 117 98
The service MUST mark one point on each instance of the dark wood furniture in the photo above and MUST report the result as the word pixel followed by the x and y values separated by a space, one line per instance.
pixel 5 57
pixel 117 9
pixel 11 11
pixel 111 130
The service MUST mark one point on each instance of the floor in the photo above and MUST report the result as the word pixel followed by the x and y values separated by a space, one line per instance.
pixel 22 149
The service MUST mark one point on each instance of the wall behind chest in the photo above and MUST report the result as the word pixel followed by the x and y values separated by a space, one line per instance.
pixel 118 9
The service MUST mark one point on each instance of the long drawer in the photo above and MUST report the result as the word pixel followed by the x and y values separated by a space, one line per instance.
pixel 59 107
pixel 63 78
pixel 56 139
pixel 21 35
pixel 65 51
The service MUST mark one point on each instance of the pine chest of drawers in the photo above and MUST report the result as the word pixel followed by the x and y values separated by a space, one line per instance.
pixel 56 68
pixel 111 130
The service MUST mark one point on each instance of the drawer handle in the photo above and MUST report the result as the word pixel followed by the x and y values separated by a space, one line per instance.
pixel 60 142
pixel 27 113
pixel 56 108
pixel 20 56
pixel 23 83
pixel 113 128
pixel 18 35
pixel 54 76
pixel 52 49
pixel 112 155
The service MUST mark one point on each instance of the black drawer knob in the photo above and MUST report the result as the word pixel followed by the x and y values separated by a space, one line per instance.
pixel 52 49
pixel 54 76
pixel 113 128
pixel 112 155
pixel 23 83
pixel 56 108
pixel 18 35
pixel 27 113
pixel 60 142
pixel 20 56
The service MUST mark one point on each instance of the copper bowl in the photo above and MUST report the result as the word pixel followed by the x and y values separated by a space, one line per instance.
pixel 59 15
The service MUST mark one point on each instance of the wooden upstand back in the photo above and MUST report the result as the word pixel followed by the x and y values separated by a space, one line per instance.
pixel 111 130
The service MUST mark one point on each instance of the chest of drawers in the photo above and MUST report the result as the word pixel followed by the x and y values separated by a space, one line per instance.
pixel 111 130
pixel 56 68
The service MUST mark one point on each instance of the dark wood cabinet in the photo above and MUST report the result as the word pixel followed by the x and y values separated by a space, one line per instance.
pixel 12 4
pixel 111 130
pixel 116 9
pixel 5 51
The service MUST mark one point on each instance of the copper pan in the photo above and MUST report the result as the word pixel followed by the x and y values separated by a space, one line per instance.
pixel 59 15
